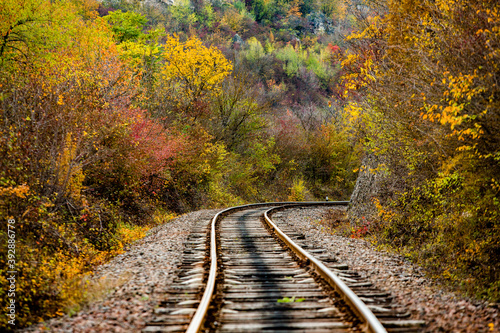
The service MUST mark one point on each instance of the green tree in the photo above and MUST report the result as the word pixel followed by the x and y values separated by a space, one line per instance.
pixel 260 10
pixel 236 116
pixel 23 27
pixel 126 26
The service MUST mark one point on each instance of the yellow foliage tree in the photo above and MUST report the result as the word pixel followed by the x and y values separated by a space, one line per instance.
pixel 192 73
pixel 63 92
pixel 425 75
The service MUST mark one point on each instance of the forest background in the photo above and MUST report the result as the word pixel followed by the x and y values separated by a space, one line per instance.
pixel 117 115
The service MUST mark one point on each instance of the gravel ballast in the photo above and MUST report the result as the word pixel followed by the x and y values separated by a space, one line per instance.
pixel 143 273
pixel 443 311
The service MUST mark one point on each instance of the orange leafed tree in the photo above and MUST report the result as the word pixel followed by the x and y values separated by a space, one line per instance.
pixel 422 80
pixel 75 154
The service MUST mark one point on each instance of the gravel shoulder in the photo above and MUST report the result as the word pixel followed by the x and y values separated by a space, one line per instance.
pixel 138 277
pixel 443 311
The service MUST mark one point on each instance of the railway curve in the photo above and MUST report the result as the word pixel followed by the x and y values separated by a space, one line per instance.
pixel 248 275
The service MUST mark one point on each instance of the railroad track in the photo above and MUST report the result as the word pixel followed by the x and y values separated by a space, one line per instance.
pixel 247 275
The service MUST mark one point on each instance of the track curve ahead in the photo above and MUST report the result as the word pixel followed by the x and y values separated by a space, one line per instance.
pixel 260 280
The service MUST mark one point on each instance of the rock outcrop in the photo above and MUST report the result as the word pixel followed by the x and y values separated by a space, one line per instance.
pixel 369 186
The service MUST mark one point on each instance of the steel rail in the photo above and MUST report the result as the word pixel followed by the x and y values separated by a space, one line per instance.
pixel 198 319
pixel 370 322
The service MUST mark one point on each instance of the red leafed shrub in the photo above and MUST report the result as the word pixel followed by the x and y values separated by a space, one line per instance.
pixel 333 48
pixel 134 150
pixel 154 146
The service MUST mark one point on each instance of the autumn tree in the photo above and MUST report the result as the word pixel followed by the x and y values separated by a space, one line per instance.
pixel 236 113
pixel 422 81
pixel 192 74
pixel 76 155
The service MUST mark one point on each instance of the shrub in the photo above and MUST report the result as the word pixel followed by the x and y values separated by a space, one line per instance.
pixel 298 191
pixel 74 153
pixel 421 85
